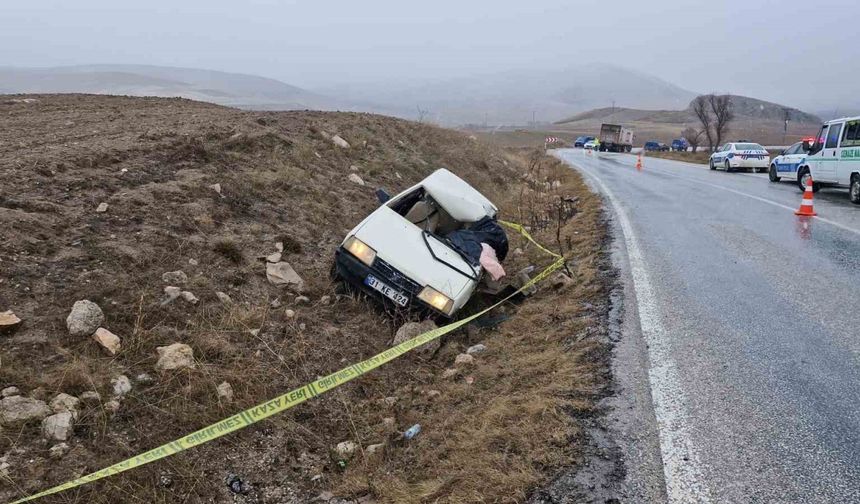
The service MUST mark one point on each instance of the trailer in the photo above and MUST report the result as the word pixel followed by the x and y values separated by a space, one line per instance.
pixel 615 138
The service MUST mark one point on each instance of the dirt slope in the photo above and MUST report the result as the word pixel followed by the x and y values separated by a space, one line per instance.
pixel 155 163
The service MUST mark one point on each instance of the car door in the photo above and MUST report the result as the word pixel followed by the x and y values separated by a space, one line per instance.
pixel 791 160
pixel 829 157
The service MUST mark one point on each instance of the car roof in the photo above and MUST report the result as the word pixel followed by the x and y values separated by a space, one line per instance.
pixel 842 119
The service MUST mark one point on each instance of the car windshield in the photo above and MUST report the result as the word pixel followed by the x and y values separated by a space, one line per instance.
pixel 748 146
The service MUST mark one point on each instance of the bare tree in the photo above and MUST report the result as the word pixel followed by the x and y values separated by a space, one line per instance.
pixel 723 115
pixel 422 113
pixel 693 136
pixel 703 113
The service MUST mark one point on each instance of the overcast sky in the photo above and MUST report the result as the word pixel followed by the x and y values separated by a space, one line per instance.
pixel 803 53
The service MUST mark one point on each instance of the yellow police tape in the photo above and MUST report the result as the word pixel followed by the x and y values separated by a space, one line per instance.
pixel 296 396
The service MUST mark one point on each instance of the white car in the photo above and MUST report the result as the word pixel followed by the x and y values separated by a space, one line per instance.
pixel 740 155
pixel 406 253
pixel 787 163
pixel 834 158
pixel 590 145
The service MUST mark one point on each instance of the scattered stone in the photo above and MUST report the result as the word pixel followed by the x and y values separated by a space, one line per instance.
pixel 254 332
pixel 225 392
pixel 171 293
pixel 281 273
pixel 216 188
pixel 476 349
pixel 58 450
pixel 432 394
pixel 325 300
pixel 276 303
pixel 450 373
pixel 410 330
pixel 108 340
pixel 223 297
pixel 189 297
pixel 353 168
pixel 39 393
pixel 302 300
pixel 346 449
pixel 279 246
pixel 112 406
pixel 121 385
pixel 193 262
pixel 340 142
pixel 390 401
pixel 561 281
pixel 91 397
pixel 58 427
pixel 9 392
pixel 273 258
pixel 18 410
pixel 175 356
pixel 325 496
pixel 236 485
pixel 177 277
pixel 469 380
pixel 84 318
pixel 144 379
pixel 8 321
pixel 302 326
pixel 464 360
pixel 102 208
pixel 389 424
pixel 65 402
pixel 374 449
pixel 290 314
pixel 354 178
pixel 397 174
pixel 518 251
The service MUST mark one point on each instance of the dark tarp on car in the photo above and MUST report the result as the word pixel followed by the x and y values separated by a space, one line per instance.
pixel 487 230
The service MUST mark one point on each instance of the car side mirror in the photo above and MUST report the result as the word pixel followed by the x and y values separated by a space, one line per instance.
pixel 782 152
pixel 382 196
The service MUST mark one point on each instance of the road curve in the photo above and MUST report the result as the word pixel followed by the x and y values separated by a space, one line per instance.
pixel 751 317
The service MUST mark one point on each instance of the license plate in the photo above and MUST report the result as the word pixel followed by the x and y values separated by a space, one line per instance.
pixel 390 293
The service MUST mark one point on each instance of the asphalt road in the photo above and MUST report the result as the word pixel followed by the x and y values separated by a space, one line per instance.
pixel 751 322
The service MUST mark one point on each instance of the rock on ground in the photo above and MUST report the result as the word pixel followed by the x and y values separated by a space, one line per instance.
pixel 58 450
pixel 102 208
pixel 224 297
pixel 281 273
pixel 8 321
pixel 58 427
pixel 91 397
pixel 84 318
pixel 464 360
pixel 108 340
pixel 225 392
pixel 121 385
pixel 18 410
pixel 410 330
pixel 189 297
pixel 65 402
pixel 354 178
pixel 476 349
pixel 175 356
pixel 177 277
pixel 340 142
pixel 10 391
pixel 346 449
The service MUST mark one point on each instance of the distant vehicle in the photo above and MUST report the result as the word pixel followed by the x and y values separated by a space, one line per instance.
pixel 581 141
pixel 590 145
pixel 615 138
pixel 655 146
pixel 740 155
pixel 415 251
pixel 787 163
pixel 680 144
pixel 834 158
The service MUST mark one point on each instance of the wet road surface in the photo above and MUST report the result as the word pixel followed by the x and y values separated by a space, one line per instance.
pixel 751 317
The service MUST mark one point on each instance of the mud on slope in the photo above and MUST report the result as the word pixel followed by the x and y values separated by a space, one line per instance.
pixel 155 162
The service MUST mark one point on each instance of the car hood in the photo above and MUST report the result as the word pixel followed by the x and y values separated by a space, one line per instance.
pixel 401 244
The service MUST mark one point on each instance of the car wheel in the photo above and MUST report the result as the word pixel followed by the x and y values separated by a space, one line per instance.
pixel 802 178
pixel 771 174
pixel 728 166
pixel 760 170
pixel 854 189
pixel 711 164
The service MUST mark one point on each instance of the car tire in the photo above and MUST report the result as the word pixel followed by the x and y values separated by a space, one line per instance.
pixel 711 164
pixel 771 174
pixel 760 170
pixel 728 166
pixel 801 174
pixel 854 189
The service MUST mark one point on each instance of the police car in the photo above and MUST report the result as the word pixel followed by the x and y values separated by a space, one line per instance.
pixel 740 155
pixel 787 163
pixel 834 158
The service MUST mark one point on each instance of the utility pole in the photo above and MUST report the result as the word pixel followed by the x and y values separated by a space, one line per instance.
pixel 534 124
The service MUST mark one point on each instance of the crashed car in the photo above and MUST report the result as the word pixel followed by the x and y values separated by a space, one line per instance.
pixel 426 248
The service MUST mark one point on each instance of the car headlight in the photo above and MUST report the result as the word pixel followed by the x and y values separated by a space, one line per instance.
pixel 360 250
pixel 436 299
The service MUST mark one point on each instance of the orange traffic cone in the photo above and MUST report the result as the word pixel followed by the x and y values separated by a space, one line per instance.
pixel 639 161
pixel 806 208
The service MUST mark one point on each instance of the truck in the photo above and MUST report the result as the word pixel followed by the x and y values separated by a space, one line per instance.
pixel 615 138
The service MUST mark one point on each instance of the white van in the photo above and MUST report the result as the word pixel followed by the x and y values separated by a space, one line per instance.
pixel 834 158
pixel 403 253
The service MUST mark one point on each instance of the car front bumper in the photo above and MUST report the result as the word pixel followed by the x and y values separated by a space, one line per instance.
pixel 355 272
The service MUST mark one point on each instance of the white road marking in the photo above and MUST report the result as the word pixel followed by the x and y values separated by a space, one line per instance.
pixel 757 198
pixel 682 468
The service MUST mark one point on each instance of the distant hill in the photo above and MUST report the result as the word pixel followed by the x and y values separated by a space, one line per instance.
pixel 515 96
pixel 242 90
pixel 755 119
